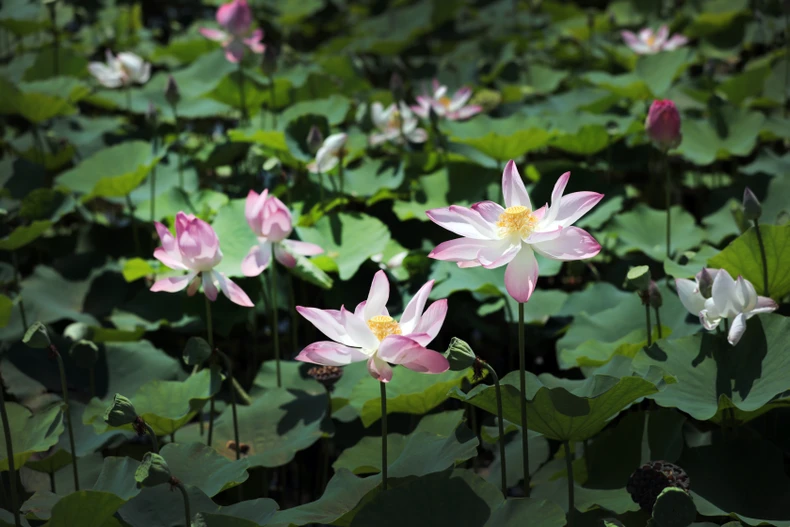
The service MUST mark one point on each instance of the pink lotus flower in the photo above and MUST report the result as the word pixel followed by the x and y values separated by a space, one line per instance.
pixel 663 124
pixel 195 249
pixel 454 108
pixel 271 222
pixel 235 18
pixel 493 236
pixel 726 299
pixel 121 71
pixel 371 334
pixel 395 123
pixel 649 42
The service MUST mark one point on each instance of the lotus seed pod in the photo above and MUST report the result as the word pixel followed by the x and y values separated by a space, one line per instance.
pixel 460 355
pixel 638 278
pixel 121 412
pixel 647 482
pixel 153 471
pixel 674 508
pixel 37 337
pixel 326 375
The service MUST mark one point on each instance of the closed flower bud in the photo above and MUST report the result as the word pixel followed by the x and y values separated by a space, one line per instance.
pixel 654 295
pixel 172 93
pixel 121 412
pixel 460 355
pixel 314 139
pixel 663 124
pixel 705 283
pixel 752 210
pixel 153 471
pixel 37 337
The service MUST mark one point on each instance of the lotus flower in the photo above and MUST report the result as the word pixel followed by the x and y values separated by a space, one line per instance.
pixel 271 222
pixel 663 124
pixel 195 249
pixel 493 236
pixel 395 123
pixel 121 71
pixel 454 108
pixel 729 299
pixel 235 18
pixel 328 156
pixel 649 42
pixel 372 335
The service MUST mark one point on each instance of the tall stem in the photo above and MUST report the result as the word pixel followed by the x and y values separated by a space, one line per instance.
pixel 501 420
pixel 762 248
pixel 152 435
pixel 17 279
pixel 569 468
pixel 187 511
pixel 292 313
pixel 55 42
pixel 658 323
pixel 178 141
pixel 523 377
pixel 383 386
pixel 668 203
pixel 242 97
pixel 135 234
pixel 340 173
pixel 67 411
pixel 647 323
pixel 10 453
pixel 273 103
pixel 321 187
pixel 275 325
pixel 155 148
pixel 210 335
pixel 229 369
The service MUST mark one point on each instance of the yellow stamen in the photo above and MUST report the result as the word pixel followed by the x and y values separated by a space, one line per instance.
pixel 445 101
pixel 517 220
pixel 651 40
pixel 383 326
pixel 395 120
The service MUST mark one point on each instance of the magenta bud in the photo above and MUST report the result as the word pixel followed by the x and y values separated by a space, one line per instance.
pixel 663 124
pixel 705 283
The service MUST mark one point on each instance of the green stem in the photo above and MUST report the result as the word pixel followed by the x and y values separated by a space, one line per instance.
pixel 18 280
pixel 501 420
pixel 178 143
pixel 55 42
pixel 129 98
pixel 187 512
pixel 210 335
pixel 762 246
pixel 135 234
pixel 229 369
pixel 321 187
pixel 569 468
pixel 340 173
pixel 152 435
pixel 275 325
pixel 293 315
pixel 658 323
pixel 10 453
pixel 210 435
pixel 668 203
pixel 273 104
pixel 523 378
pixel 153 194
pixel 383 386
pixel 647 322
pixel 242 96
pixel 52 486
pixel 67 411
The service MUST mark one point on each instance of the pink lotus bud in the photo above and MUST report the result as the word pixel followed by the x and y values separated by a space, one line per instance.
pixel 663 124
pixel 235 17
pixel 276 220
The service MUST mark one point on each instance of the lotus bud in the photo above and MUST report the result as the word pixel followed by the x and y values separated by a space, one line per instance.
pixel 752 210
pixel 172 93
pixel 460 355
pixel 663 124
pixel 37 337
pixel 638 278
pixel 705 283
pixel 121 412
pixel 197 351
pixel 153 471
pixel 654 295
pixel 314 139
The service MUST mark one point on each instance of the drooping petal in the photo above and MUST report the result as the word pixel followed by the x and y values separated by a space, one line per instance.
pixel 378 296
pixel 172 284
pixel 690 296
pixel 430 323
pixel 209 289
pixel 461 249
pixel 708 320
pixel 573 243
pixel 521 275
pixel 451 219
pixel 284 257
pixel 737 329
pixel 257 260
pixel 764 305
pixel 216 35
pixel 194 285
pixel 231 290
pixel 356 328
pixel 398 349
pixel 327 322
pixel 329 353
pixel 302 248
pixel 379 369
pixel 513 187
pixel 413 311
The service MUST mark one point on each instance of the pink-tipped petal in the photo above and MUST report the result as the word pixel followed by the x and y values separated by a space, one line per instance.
pixel 257 260
pixel 513 187
pixel 284 257
pixel 465 113
pixel 231 290
pixel 235 16
pixel 498 255
pixel 629 38
pixel 398 349
pixel 327 322
pixel 765 305
pixel 690 296
pixel 329 353
pixel 168 259
pixel 574 206
pixel 572 244
pixel 172 284
pixel 378 296
pixel 677 41
pixel 209 289
pixel 430 323
pixel 302 248
pixel 254 42
pixel 473 218
pixel 357 329
pixel 521 275
pixel 415 307
pixel 450 219
pixel 379 369
pixel 489 211
pixel 252 209
pixel 213 34
pixel 737 329
pixel 661 36
pixel 194 285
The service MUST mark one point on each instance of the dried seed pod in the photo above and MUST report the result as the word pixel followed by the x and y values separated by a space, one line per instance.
pixel 647 482
pixel 326 375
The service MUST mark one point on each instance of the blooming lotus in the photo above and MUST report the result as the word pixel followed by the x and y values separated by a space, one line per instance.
pixel 454 108
pixel 328 156
pixel 121 70
pixel 395 123
pixel 649 42
pixel 372 335
pixel 195 249
pixel 728 299
pixel 663 124
pixel 270 220
pixel 235 18
pixel 493 236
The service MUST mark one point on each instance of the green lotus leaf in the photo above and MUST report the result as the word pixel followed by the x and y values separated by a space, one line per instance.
pixel 201 466
pixel 30 433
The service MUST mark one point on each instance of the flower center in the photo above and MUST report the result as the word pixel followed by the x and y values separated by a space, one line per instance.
pixel 517 220
pixel 445 101
pixel 395 120
pixel 651 40
pixel 383 326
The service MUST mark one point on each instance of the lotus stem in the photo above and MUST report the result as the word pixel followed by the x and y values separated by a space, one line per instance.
pixel 210 335
pixel 55 42
pixel 658 323
pixel 340 172
pixel 647 322
pixel 67 412
pixel 501 422
pixel 762 253
pixel 383 386
pixel 187 512
pixel 10 453
pixel 152 435
pixel 273 103
pixel 229 368
pixel 275 325
pixel 668 203
pixel 178 136
pixel 18 280
pixel 321 187
pixel 242 96
pixel 569 468
pixel 523 378
pixel 135 234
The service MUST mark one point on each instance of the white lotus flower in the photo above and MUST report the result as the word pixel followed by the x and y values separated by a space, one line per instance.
pixel 732 300
pixel 395 123
pixel 121 70
pixel 328 156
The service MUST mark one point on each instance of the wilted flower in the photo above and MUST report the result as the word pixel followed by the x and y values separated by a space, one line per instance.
pixel 395 123
pixel 195 249
pixel 493 236
pixel 663 124
pixel 372 335
pixel 270 220
pixel 235 18
pixel 649 42
pixel 329 155
pixel 734 300
pixel 454 108
pixel 121 71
